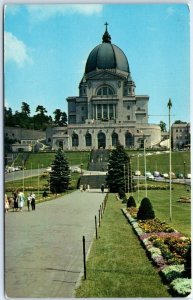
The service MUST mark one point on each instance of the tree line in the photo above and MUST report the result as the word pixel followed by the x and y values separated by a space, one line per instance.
pixel 39 121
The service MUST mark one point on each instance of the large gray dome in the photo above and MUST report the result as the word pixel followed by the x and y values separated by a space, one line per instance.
pixel 107 56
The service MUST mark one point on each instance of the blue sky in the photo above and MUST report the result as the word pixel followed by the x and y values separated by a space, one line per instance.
pixel 46 48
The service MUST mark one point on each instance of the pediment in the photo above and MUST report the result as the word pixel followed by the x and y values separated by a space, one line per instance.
pixel 107 75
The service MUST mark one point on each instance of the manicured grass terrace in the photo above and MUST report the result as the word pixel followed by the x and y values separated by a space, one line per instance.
pixel 181 212
pixel 117 265
pixel 44 159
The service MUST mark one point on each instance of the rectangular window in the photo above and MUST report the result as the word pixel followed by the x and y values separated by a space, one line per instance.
pixel 105 90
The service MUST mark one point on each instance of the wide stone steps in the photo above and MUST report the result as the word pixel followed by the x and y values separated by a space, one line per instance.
pixel 98 160
pixel 94 181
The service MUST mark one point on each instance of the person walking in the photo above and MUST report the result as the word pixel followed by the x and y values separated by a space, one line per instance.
pixel 29 198
pixel 6 203
pixel 33 201
pixel 15 201
pixel 21 200
pixel 102 188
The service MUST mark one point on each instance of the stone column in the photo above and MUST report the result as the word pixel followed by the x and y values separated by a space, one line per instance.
pixel 114 111
pixel 96 111
pixel 93 116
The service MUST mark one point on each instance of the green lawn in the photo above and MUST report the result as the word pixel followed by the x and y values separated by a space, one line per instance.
pixel 117 265
pixel 161 162
pixel 44 159
pixel 36 184
pixel 160 199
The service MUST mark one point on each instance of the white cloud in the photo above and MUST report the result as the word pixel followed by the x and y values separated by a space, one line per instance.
pixel 15 50
pixel 44 12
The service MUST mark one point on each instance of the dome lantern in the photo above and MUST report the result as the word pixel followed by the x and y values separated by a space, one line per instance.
pixel 106 35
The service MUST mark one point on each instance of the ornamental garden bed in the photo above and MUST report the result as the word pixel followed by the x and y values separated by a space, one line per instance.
pixel 167 248
pixel 184 199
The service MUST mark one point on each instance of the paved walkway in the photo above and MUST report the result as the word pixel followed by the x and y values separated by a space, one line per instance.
pixel 43 248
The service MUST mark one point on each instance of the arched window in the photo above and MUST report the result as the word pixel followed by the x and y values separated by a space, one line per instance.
pixel 114 139
pixel 128 140
pixel 101 140
pixel 75 140
pixel 105 91
pixel 88 139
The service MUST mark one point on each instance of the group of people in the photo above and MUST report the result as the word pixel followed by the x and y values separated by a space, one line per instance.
pixel 85 187
pixel 18 200
pixel 31 201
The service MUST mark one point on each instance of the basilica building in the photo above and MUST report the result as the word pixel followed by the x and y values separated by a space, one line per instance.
pixel 107 109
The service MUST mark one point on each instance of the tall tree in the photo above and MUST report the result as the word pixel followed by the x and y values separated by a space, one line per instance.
pixel 8 117
pixel 41 120
pixel 119 171
pixel 60 118
pixel 162 126
pixel 41 110
pixel 25 108
pixel 60 174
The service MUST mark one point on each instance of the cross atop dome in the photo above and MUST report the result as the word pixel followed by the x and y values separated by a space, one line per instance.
pixel 106 35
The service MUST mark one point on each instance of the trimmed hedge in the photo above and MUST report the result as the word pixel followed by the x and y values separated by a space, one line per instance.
pixel 131 202
pixel 145 211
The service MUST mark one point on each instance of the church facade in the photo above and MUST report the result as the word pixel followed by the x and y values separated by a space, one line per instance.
pixel 107 109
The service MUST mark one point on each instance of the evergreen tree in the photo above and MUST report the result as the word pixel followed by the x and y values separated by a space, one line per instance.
pixel 119 177
pixel 131 202
pixel 60 174
pixel 60 118
pixel 145 211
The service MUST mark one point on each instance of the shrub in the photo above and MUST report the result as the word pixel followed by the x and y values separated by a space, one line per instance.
pixel 131 202
pixel 45 194
pixel 170 273
pixel 145 210
pixel 121 194
pixel 181 286
pixel 124 199
pixel 187 264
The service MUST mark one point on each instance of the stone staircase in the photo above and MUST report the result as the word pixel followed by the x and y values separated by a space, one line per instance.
pixel 94 181
pixel 98 162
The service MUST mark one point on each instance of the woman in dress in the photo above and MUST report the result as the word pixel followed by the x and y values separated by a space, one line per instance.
pixel 6 203
pixel 21 199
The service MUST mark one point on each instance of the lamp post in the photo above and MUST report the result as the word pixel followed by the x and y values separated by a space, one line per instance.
pixel 145 166
pixel 138 178
pixel 170 159
pixel 124 177
pixel 81 165
pixel 185 174
pixel 23 177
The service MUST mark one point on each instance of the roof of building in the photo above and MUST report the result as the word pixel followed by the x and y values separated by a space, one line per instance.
pixel 107 56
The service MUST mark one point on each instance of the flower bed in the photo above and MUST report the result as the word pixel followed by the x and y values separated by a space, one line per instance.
pixel 166 247
pixel 173 249
pixel 153 187
pixel 184 200
pixel 154 225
